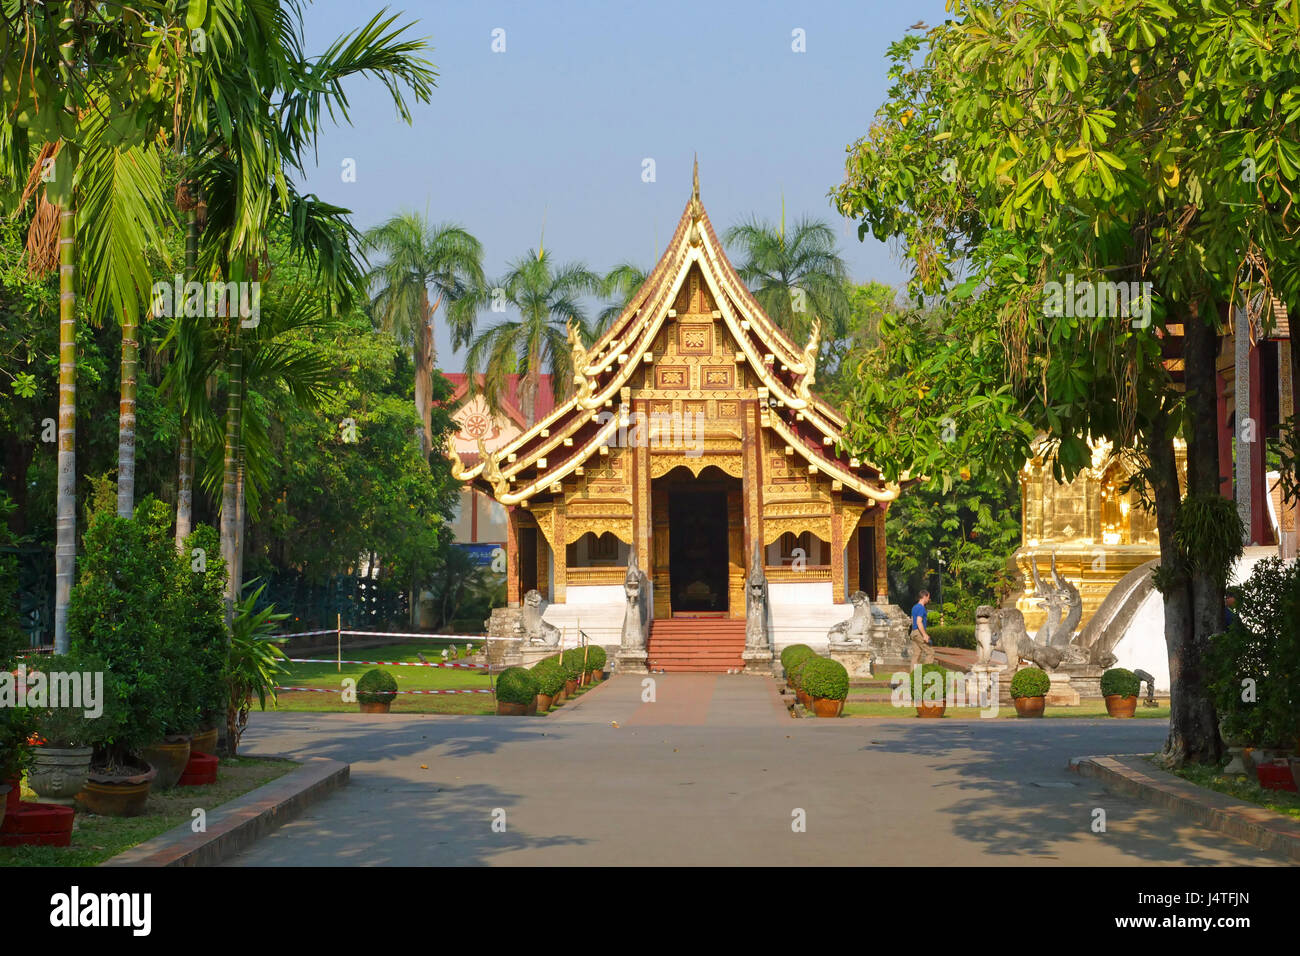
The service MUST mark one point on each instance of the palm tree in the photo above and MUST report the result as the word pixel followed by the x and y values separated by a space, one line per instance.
pixel 619 285
pixel 420 257
pixel 264 116
pixel 796 276
pixel 547 301
pixel 97 189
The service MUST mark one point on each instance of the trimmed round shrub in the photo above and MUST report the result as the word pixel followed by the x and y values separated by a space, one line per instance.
pixel 800 666
pixel 1030 682
pixel 921 680
pixel 376 686
pixel 595 657
pixel 823 677
pixel 795 654
pixel 549 676
pixel 571 661
pixel 515 685
pixel 1121 681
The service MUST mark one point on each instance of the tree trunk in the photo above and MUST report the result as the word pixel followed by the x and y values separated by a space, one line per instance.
pixel 531 386
pixel 425 356
pixel 126 416
pixel 65 551
pixel 230 466
pixel 184 484
pixel 185 453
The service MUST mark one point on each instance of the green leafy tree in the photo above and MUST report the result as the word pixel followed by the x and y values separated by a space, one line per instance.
pixel 418 257
pixel 548 298
pixel 797 275
pixel 1037 143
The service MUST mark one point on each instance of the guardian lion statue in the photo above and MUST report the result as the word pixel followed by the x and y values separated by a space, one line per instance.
pixel 536 630
pixel 756 604
pixel 855 629
pixel 634 617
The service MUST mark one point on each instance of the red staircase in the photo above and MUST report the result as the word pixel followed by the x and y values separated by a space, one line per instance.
pixel 707 645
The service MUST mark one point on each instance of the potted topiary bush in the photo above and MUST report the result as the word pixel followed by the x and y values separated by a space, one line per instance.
pixel 923 690
pixel 550 681
pixel 826 682
pixel 198 616
pixel 571 661
pixel 797 676
pixel 791 657
pixel 596 662
pixel 1029 691
pixel 516 690
pixel 1120 687
pixel 67 735
pixel 376 691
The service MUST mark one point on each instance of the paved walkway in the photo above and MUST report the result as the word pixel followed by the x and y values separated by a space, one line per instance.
pixel 713 772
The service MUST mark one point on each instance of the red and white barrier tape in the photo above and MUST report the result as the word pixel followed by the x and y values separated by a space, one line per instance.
pixel 406 634
pixel 462 690
pixel 314 660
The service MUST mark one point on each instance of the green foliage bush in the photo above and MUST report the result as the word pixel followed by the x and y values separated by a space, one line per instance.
pixel 794 655
pixel 595 657
pixel 571 661
pixel 921 680
pixel 376 686
pixel 1030 682
pixel 17 724
pixel 196 617
pixel 1260 651
pixel 953 635
pixel 823 677
pixel 549 675
pixel 1121 681
pixel 117 612
pixel 515 685
pixel 801 664
pixel 69 726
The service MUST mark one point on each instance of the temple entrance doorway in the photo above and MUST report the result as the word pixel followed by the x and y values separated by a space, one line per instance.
pixel 697 555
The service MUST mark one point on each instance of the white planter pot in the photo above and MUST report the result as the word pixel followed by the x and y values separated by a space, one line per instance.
pixel 57 775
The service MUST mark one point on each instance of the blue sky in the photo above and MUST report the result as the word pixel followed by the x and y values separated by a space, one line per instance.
pixel 555 130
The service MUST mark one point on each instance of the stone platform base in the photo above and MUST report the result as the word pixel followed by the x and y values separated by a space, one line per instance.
pixel 631 662
pixel 856 658
pixel 758 662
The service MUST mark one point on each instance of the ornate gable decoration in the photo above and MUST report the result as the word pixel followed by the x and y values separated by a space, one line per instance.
pixel 693 327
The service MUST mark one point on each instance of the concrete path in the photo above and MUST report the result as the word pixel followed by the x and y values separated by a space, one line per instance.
pixel 714 772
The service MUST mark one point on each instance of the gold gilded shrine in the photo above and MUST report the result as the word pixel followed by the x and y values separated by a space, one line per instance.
pixel 691 434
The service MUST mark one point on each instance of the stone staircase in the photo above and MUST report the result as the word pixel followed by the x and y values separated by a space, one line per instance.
pixel 696 645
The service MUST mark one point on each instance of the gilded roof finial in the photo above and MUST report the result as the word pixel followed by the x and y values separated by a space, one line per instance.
pixel 695 182
pixel 696 207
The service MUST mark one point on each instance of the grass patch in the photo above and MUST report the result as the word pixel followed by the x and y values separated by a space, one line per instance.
pixel 96 839
pixel 1243 788
pixel 408 678
pixel 1083 711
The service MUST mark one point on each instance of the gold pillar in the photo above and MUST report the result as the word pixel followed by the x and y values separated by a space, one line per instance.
pixel 837 547
pixel 560 552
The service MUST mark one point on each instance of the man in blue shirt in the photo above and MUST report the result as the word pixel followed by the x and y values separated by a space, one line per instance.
pixel 922 652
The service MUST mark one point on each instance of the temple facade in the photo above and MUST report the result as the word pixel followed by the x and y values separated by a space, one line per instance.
pixel 692 440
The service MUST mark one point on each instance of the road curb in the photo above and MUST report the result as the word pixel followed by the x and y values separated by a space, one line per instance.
pixel 235 825
pixel 1134 776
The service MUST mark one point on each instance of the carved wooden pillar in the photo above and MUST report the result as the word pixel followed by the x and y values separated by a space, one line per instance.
pixel 512 556
pixel 560 552
pixel 851 560
pixel 837 547
pixel 737 559
pixel 882 574
pixel 662 583
pixel 752 482
pixel 642 512
pixel 543 565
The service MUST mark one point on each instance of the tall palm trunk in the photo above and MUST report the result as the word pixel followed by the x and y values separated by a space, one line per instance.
pixel 65 553
pixel 230 466
pixel 425 355
pixel 531 386
pixel 126 416
pixel 185 453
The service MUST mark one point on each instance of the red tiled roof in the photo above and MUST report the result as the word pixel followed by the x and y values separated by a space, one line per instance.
pixel 545 399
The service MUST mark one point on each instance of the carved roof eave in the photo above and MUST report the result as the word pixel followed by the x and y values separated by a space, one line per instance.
pixel 542 483
pixel 887 491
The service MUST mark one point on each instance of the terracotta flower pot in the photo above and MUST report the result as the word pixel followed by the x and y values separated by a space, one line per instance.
pixel 930 710
pixel 803 697
pixel 1117 706
pixel 375 706
pixel 1029 706
pixel 530 708
pixel 827 706
pixel 506 709
pixel 544 702
pixel 169 758
pixel 597 676
pixel 112 795
pixel 204 742
pixel 58 773
pixel 570 687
